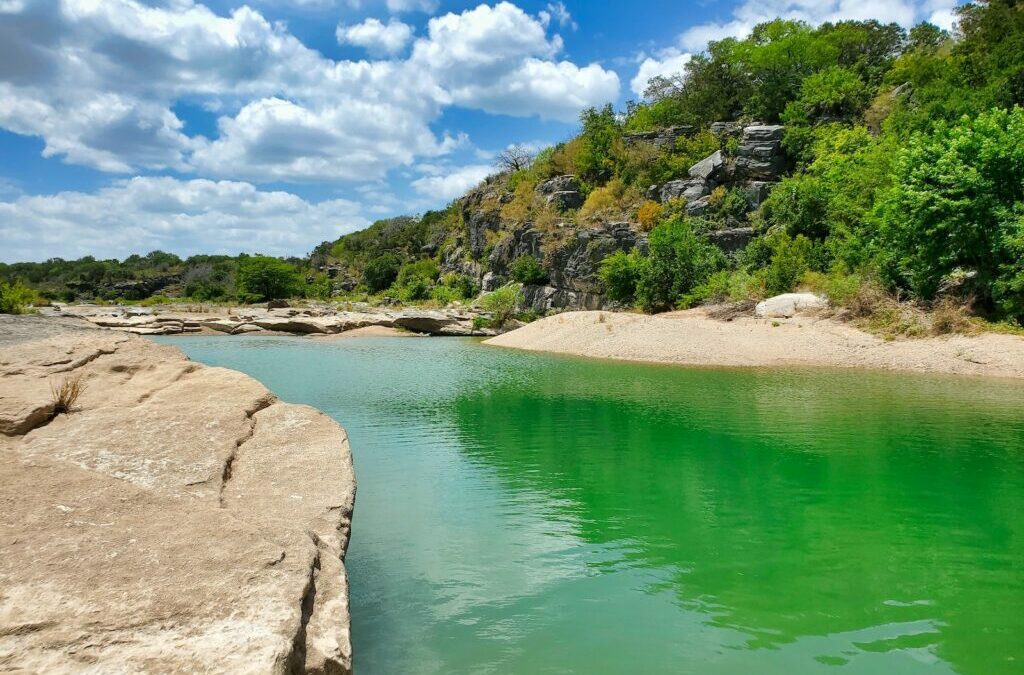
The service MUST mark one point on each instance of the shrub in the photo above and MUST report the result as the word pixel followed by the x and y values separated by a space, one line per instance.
pixel 320 288
pixel 461 284
pixel 445 295
pixel 526 270
pixel 789 262
pixel 957 201
pixel 604 201
pixel 678 261
pixel 16 298
pixel 619 273
pixel 502 304
pixel 266 278
pixel 381 272
pixel 648 215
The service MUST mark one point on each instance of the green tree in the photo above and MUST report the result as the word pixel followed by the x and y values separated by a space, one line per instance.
pixel 265 278
pixel 956 207
pixel 502 303
pixel 381 272
pixel 678 260
pixel 619 274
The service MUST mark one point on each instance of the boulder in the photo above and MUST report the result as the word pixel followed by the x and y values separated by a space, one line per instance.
pixel 431 322
pixel 698 206
pixel 663 139
pixel 562 192
pixel 690 190
pixel 790 304
pixel 708 168
pixel 760 155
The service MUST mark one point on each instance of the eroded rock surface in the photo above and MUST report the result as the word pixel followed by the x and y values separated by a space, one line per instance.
pixel 180 519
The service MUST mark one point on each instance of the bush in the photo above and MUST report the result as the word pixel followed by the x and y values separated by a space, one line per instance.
pixel 445 295
pixel 526 270
pixel 265 278
pixel 604 201
pixel 789 262
pixel 619 274
pixel 16 298
pixel 648 215
pixel 461 284
pixel 502 304
pixel 957 202
pixel 678 261
pixel 320 288
pixel 381 272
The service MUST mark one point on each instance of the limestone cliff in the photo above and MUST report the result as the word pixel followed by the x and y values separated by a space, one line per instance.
pixel 179 519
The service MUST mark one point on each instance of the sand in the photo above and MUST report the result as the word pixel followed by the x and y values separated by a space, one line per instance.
pixel 692 338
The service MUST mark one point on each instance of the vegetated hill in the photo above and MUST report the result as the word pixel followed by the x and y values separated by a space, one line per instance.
pixel 855 158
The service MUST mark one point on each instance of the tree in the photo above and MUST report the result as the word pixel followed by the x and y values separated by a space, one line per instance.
pixel 264 278
pixel 502 304
pixel 381 272
pixel 956 209
pixel 678 260
pixel 514 158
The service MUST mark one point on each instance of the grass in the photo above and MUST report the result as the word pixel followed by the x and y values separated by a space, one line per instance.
pixel 65 394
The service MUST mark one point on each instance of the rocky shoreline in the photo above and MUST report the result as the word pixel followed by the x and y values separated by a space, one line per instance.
pixel 309 320
pixel 179 519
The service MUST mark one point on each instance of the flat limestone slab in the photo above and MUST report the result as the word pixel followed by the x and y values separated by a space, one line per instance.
pixel 180 519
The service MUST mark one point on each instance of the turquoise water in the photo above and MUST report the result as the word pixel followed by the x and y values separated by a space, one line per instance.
pixel 521 513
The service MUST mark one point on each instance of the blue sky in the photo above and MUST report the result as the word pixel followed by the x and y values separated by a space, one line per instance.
pixel 222 127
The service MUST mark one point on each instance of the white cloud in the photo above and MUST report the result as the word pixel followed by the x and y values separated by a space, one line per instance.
pixel 376 37
pixel 99 81
pixel 445 185
pixel 500 60
pixel 752 12
pixel 557 12
pixel 669 64
pixel 185 217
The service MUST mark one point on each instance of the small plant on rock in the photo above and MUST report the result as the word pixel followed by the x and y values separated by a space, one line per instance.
pixel 65 394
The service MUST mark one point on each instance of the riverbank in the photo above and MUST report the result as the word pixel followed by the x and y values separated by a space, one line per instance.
pixel 179 518
pixel 693 338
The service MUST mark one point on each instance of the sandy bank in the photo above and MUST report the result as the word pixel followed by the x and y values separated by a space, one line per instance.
pixel 181 519
pixel 691 338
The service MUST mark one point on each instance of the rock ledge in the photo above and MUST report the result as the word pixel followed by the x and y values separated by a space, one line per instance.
pixel 181 519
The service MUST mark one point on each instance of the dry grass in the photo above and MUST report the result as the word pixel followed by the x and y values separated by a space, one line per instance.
pixel 949 317
pixel 65 394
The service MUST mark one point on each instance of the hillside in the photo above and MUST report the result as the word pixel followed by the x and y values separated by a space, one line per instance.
pixel 872 164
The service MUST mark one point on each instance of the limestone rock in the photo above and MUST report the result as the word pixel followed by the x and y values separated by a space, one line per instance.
pixel 562 192
pixel 179 520
pixel 708 168
pixel 790 304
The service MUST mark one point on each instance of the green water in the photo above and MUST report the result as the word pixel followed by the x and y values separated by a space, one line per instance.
pixel 522 513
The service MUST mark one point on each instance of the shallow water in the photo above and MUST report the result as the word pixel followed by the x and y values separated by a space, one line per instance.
pixel 523 513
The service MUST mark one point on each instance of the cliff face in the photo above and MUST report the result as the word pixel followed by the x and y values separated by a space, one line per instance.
pixel 179 519
pixel 570 253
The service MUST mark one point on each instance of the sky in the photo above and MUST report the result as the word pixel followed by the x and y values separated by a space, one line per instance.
pixel 270 126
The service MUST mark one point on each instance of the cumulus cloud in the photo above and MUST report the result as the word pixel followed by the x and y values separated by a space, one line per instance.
pixel 748 14
pixel 98 82
pixel 376 37
pixel 447 184
pixel 671 63
pixel 499 59
pixel 182 216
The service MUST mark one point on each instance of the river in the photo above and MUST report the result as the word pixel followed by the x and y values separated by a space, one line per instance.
pixel 524 513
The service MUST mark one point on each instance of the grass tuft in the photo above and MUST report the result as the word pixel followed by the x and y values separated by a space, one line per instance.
pixel 66 394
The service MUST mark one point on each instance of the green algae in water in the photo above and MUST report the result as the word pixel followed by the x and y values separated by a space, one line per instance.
pixel 520 513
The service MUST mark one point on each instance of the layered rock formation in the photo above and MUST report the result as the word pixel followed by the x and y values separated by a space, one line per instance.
pixel 240 320
pixel 179 519
pixel 571 253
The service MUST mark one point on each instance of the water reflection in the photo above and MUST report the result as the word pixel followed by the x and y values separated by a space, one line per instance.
pixel 519 513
